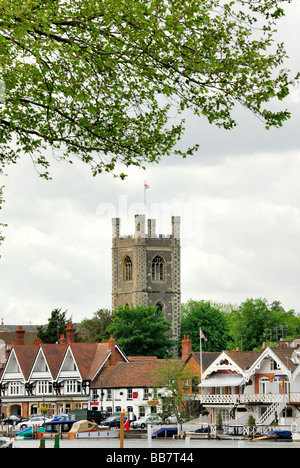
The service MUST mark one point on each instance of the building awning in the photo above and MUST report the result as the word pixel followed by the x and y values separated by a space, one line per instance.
pixel 224 380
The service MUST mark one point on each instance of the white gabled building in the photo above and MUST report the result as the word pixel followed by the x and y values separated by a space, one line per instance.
pixel 265 384
pixel 56 376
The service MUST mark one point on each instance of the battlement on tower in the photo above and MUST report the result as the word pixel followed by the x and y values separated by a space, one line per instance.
pixel 140 229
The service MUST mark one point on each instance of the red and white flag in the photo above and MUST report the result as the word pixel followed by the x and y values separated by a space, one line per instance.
pixel 202 335
pixel 146 186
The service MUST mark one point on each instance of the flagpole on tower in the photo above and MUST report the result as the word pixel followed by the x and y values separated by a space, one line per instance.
pixel 145 196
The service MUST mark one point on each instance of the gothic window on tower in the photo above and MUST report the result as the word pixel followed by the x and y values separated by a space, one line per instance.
pixel 158 269
pixel 127 269
pixel 159 307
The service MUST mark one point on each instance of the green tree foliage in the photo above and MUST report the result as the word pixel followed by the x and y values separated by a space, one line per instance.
pixel 172 376
pixel 56 326
pixel 141 331
pixel 95 329
pixel 245 326
pixel 96 79
pixel 212 321
pixel 256 321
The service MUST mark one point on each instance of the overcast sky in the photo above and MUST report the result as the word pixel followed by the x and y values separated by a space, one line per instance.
pixel 239 200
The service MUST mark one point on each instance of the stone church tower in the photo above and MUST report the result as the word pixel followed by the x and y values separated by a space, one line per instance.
pixel 146 269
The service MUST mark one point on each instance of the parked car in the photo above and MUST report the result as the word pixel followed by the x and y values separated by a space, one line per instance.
pixel 172 419
pixel 38 421
pixel 12 420
pixel 145 420
pixel 60 417
pixel 114 421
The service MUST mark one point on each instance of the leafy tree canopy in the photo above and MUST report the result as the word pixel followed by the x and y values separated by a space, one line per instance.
pixel 256 321
pixel 212 321
pixel 95 329
pixel 56 326
pixel 96 79
pixel 141 331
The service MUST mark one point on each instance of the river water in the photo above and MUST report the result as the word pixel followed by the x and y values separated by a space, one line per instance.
pixel 168 445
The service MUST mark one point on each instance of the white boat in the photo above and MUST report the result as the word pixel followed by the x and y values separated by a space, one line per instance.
pixel 202 432
pixel 5 442
pixel 295 430
pixel 90 430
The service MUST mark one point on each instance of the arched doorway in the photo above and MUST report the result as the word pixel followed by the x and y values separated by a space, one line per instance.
pixel 15 410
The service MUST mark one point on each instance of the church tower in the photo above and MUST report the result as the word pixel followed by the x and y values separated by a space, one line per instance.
pixel 146 269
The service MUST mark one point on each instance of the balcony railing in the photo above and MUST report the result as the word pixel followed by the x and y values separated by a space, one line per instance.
pixel 251 398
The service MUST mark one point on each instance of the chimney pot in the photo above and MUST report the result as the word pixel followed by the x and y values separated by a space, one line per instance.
pixel 70 333
pixel 186 347
pixel 20 335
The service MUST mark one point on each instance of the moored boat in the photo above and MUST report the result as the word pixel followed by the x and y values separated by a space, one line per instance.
pixel 202 432
pixel 87 429
pixel 295 429
pixel 61 427
pixel 6 442
pixel 276 435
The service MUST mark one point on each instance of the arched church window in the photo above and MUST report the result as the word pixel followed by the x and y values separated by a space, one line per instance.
pixel 127 269
pixel 159 307
pixel 158 269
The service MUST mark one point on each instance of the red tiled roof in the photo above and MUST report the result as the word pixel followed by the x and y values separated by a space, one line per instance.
pixel 26 356
pixel 54 355
pixel 207 358
pixel 90 357
pixel 138 373
pixel 244 359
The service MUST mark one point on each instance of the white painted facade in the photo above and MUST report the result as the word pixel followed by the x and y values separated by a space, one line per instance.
pixel 270 389
pixel 134 401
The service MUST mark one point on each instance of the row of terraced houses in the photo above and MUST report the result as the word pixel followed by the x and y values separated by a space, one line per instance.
pixel 71 376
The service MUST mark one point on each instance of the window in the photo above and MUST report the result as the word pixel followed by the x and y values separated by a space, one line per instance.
pixel 263 384
pixel 14 388
pixel 159 307
pixel 158 269
pixel 129 394
pixel 43 387
pixel 72 386
pixel 127 269
pixel 273 365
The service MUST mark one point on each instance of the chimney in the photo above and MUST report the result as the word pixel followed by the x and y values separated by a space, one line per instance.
pixel 20 336
pixel 70 333
pixel 186 347
pixel 112 347
pixel 62 339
